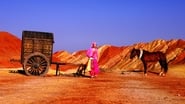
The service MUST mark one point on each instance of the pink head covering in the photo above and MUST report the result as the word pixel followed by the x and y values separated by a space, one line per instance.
pixel 93 45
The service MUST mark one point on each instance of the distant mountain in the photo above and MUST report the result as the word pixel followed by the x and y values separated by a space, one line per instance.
pixel 111 58
pixel 10 47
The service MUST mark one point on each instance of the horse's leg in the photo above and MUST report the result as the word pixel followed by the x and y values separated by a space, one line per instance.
pixel 145 68
pixel 161 64
pixel 163 68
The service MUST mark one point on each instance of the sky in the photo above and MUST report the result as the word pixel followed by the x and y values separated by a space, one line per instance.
pixel 77 23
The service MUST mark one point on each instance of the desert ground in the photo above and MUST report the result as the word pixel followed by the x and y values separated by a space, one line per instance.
pixel 108 88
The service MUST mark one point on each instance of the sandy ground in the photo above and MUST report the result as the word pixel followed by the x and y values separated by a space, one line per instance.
pixel 107 88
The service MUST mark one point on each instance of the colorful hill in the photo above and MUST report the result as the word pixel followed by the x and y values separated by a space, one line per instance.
pixel 111 58
pixel 9 49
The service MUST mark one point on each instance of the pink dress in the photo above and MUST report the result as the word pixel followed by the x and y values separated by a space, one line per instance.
pixel 92 53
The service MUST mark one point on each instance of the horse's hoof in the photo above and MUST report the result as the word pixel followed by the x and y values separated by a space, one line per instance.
pixel 161 73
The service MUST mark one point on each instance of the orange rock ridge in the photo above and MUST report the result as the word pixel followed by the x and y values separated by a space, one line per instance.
pixel 110 57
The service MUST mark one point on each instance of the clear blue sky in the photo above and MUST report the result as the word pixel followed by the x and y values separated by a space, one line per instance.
pixel 76 23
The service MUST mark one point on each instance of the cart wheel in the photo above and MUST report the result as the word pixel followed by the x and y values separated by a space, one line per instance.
pixel 36 64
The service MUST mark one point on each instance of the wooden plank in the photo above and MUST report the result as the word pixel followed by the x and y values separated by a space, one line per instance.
pixel 61 63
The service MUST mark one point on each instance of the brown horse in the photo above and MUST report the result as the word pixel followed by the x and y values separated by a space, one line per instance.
pixel 146 57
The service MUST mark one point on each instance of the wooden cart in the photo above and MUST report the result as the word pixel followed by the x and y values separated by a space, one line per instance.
pixel 36 52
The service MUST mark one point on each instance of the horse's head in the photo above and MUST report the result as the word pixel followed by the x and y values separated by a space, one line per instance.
pixel 133 53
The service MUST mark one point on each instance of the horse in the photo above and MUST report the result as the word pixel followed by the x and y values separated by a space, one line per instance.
pixel 146 57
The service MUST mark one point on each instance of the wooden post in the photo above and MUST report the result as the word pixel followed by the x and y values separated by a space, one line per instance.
pixel 57 69
pixel 58 66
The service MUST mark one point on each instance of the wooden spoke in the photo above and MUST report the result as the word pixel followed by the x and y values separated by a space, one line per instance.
pixel 36 64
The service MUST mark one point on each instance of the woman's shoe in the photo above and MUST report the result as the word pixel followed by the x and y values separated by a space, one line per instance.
pixel 92 76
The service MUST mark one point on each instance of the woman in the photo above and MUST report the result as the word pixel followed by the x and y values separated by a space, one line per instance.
pixel 92 54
